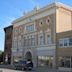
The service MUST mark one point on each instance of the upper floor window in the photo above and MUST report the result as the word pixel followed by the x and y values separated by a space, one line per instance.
pixel 41 40
pixel 25 41
pixel 48 20
pixel 61 42
pixel 32 41
pixel 70 41
pixel 30 28
pixel 64 42
pixel 49 39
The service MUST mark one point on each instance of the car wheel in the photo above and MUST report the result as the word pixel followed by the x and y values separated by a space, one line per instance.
pixel 29 69
pixel 15 68
pixel 24 68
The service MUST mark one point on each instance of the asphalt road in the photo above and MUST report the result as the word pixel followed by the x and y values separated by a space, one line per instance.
pixel 38 70
pixel 11 70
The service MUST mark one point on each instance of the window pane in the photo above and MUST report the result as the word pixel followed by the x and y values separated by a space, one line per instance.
pixel 33 41
pixel 41 40
pixel 65 42
pixel 67 61
pixel 71 61
pixel 70 41
pixel 60 42
pixel 30 28
pixel 49 39
pixel 61 61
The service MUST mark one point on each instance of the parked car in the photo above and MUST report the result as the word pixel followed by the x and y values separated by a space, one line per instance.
pixel 20 64
pixel 24 65
pixel 29 65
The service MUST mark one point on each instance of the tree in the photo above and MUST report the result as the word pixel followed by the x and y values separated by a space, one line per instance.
pixel 1 56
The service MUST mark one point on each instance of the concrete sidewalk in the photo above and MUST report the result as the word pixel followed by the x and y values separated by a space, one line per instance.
pixel 43 69
pixel 7 66
pixel 39 69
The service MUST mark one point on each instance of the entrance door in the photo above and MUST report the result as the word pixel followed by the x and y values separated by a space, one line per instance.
pixel 28 56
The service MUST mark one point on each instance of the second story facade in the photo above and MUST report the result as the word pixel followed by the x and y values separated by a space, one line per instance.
pixel 36 28
pixel 64 43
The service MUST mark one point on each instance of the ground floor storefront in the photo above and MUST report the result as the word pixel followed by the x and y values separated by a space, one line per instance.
pixel 45 57
pixel 65 63
pixel 45 61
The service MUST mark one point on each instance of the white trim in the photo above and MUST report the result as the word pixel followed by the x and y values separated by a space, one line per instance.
pixel 34 12
pixel 46 47
pixel 35 17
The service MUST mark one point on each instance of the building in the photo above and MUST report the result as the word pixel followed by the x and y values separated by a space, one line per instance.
pixel 8 44
pixel 64 49
pixel 37 34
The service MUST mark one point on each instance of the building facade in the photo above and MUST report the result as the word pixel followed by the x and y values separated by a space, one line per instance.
pixel 35 34
pixel 64 49
pixel 8 44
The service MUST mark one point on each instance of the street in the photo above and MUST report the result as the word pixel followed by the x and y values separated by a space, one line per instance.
pixel 38 70
pixel 9 70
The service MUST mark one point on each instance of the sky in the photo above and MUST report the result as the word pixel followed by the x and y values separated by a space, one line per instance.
pixel 12 9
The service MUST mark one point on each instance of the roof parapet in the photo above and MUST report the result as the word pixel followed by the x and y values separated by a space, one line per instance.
pixel 37 10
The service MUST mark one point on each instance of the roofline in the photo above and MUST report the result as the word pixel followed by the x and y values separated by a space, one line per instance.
pixel 64 32
pixel 33 12
pixel 8 27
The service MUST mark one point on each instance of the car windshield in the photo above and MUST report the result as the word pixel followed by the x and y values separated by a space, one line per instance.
pixel 22 62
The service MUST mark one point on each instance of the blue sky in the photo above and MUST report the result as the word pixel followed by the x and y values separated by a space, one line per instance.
pixel 12 9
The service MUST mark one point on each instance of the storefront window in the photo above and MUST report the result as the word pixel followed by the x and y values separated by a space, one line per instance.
pixel 45 61
pixel 67 62
pixel 61 61
pixel 71 61
pixel 64 62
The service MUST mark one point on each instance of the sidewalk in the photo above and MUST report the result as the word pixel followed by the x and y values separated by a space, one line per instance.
pixel 39 69
pixel 7 66
pixel 43 69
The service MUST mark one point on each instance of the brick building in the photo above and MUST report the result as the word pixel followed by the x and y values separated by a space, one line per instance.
pixel 44 36
pixel 8 44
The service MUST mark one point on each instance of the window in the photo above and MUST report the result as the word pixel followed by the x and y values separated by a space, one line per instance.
pixel 29 41
pixel 49 39
pixel 41 40
pixel 24 41
pixel 30 28
pixel 41 22
pixel 67 61
pixel 48 20
pixel 64 61
pixel 61 42
pixel 19 42
pixel 66 41
pixel 45 61
pixel 15 43
pixel 33 41
pixel 70 41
